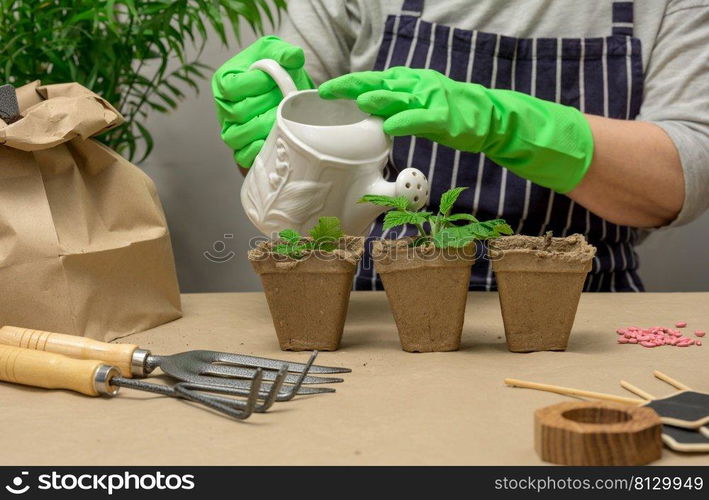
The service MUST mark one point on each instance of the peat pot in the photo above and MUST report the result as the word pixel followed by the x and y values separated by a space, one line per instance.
pixel 308 297
pixel 539 281
pixel 427 289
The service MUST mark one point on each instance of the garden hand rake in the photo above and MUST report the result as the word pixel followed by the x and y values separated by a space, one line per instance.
pixel 94 378
pixel 198 367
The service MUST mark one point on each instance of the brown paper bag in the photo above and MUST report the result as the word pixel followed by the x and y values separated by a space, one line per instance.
pixel 84 245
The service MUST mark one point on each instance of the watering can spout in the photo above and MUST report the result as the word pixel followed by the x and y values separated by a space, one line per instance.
pixel 410 183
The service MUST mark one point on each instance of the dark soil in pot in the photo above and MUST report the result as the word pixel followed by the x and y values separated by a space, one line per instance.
pixel 427 289
pixel 540 280
pixel 308 297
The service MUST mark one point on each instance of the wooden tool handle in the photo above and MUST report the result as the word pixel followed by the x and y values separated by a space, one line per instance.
pixel 569 391
pixel 48 370
pixel 118 355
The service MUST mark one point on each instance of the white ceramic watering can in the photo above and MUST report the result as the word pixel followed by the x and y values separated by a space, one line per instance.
pixel 319 159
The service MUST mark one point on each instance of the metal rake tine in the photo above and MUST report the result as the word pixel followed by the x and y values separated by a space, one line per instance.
pixel 221 384
pixel 275 390
pixel 224 405
pixel 269 400
pixel 232 371
pixel 291 393
pixel 141 385
pixel 253 395
pixel 275 364
pixel 243 386
pixel 187 390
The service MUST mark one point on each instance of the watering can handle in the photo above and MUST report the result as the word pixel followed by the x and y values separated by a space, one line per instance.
pixel 119 355
pixel 279 75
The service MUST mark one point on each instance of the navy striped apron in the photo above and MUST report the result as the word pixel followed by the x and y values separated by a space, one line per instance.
pixel 601 76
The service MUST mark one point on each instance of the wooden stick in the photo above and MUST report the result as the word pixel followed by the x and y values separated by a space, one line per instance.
pixel 673 382
pixel 572 392
pixel 636 390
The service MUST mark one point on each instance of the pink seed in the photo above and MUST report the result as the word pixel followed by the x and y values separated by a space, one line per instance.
pixel 656 336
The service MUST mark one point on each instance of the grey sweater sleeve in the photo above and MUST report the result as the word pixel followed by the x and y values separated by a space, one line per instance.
pixel 326 30
pixel 676 96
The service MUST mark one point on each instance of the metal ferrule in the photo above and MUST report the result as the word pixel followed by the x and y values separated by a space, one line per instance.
pixel 138 363
pixel 102 380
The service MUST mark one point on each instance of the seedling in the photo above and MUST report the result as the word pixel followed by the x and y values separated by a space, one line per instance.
pixel 439 228
pixel 323 236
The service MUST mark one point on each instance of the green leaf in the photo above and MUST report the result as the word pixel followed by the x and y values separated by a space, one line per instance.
pixel 481 230
pixel 157 106
pixel 290 250
pixel 454 236
pixel 489 229
pixel 396 218
pixel 290 236
pixel 325 235
pixel 504 228
pixel 497 227
pixel 459 236
pixel 398 202
pixel 147 139
pixel 456 217
pixel 327 246
pixel 327 231
pixel 167 99
pixel 448 199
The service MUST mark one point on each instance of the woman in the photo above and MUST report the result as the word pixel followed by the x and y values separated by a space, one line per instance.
pixel 574 116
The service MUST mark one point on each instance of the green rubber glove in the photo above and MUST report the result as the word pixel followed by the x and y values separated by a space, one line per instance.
pixel 547 143
pixel 247 99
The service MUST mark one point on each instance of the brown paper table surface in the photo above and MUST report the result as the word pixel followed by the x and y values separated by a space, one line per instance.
pixel 394 408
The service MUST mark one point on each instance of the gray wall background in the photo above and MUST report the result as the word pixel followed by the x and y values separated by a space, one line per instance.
pixel 199 187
